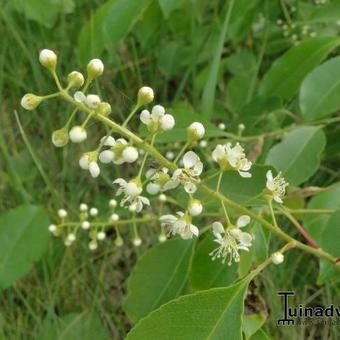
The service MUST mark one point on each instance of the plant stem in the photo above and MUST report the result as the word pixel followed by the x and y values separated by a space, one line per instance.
pixel 130 116
pixel 185 146
pixel 210 192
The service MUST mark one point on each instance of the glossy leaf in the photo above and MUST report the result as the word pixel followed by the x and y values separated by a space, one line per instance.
pixel 298 154
pixel 158 277
pixel 319 93
pixel 23 240
pixel 209 314
pixel 252 323
pixel 287 73
pixel 206 273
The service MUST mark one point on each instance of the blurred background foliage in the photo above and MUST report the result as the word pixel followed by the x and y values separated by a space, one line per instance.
pixel 203 66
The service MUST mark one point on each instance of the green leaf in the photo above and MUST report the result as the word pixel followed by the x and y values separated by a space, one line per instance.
pixel 319 93
pixel 298 154
pixel 206 273
pixel 210 314
pixel 238 90
pixel 316 226
pixel 260 335
pixel 287 73
pixel 326 13
pixel 158 277
pixel 108 25
pixel 238 188
pixel 252 323
pixel 23 240
pixel 241 63
pixel 84 326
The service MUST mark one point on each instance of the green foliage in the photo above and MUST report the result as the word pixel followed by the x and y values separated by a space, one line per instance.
pixel 23 240
pixel 319 93
pixel 159 276
pixel 298 155
pixel 287 73
pixel 207 314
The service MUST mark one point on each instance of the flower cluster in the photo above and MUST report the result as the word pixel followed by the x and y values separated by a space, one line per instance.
pixel 121 147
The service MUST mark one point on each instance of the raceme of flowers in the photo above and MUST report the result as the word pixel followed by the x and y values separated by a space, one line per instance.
pixel 136 193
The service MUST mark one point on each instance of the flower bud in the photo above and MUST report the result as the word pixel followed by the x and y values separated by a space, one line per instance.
pixel 85 225
pixel 167 122
pixel 71 238
pixel 153 188
pixel 94 169
pixel 95 68
pixel 195 131
pixel 30 101
pixel 92 101
pixel 119 241
pixel 162 238
pixel 277 258
pixel 93 245
pixel 130 154
pixel 75 79
pixel 77 134
pixel 106 156
pixel 221 126
pixel 84 162
pixel 93 211
pixel 195 207
pixel 162 197
pixel 170 155
pixel 60 137
pixel 101 236
pixel 52 228
pixel 104 109
pixel 137 241
pixel 112 203
pixel 203 143
pixel 114 217
pixel 145 96
pixel 48 59
pixel 83 207
pixel 62 213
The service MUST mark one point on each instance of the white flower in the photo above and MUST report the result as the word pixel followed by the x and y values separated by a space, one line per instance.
pixel 112 203
pixel 188 175
pixel 79 97
pixel 276 185
pixel 95 68
pixel 231 240
pixel 145 95
pixel 180 225
pixel 30 101
pixel 114 217
pixel 137 241
pixel 203 143
pixel 161 238
pixel 77 134
pixel 71 238
pixel 106 156
pixel 277 257
pixel 52 228
pixel 60 137
pixel 92 101
pixel 84 161
pixel 195 207
pixel 162 198
pixel 94 169
pixel 48 59
pixel 229 157
pixel 195 131
pixel 131 191
pixel 157 119
pixel 157 180
pixel 93 245
pixel 170 155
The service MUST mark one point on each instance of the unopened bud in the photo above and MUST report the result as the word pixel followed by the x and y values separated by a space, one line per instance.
pixel 48 59
pixel 145 96
pixel 195 131
pixel 104 109
pixel 95 68
pixel 277 258
pixel 31 101
pixel 60 137
pixel 77 134
pixel 75 79
pixel 195 207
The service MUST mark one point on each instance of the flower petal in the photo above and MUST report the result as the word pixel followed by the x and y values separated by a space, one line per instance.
pixel 242 221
